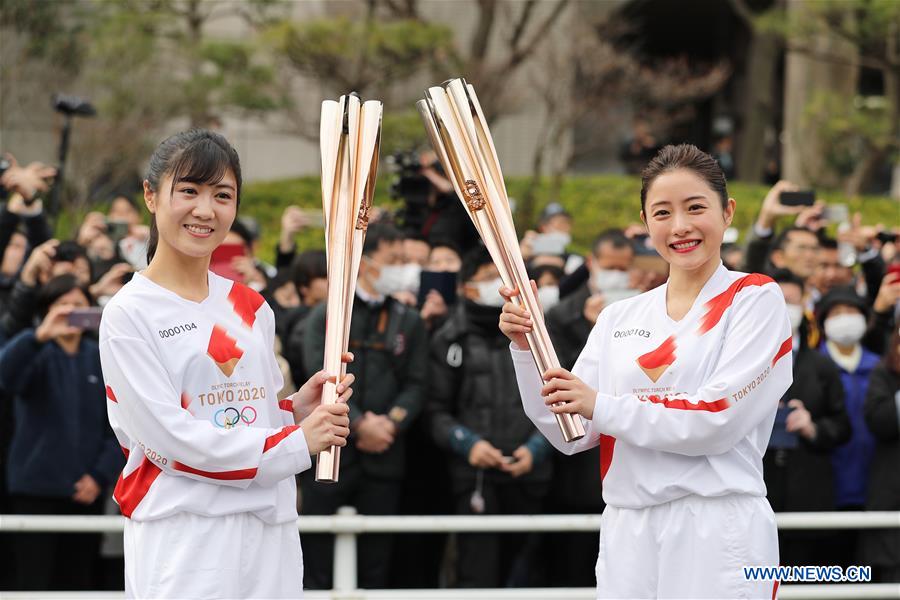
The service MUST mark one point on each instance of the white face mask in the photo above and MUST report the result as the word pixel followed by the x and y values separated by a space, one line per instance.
pixel 609 279
pixel 846 329
pixel 412 273
pixel 489 292
pixel 549 296
pixel 795 315
pixel 390 280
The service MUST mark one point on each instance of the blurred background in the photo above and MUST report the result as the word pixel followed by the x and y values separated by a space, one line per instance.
pixel 806 91
pixel 799 101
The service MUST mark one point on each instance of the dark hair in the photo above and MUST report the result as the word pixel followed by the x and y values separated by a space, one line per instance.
pixel 787 277
pixel 684 156
pixel 446 243
pixel 195 155
pixel 378 233
pixel 616 237
pixel 472 261
pixel 307 266
pixel 70 251
pixel 240 228
pixel 827 243
pixel 846 296
pixel 538 272
pixel 127 198
pixel 55 289
pixel 781 240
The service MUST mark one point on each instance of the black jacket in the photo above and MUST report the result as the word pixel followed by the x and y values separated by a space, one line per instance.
pixel 474 394
pixel 882 547
pixel 576 478
pixel 801 479
pixel 390 349
pixel 568 328
pixel 61 427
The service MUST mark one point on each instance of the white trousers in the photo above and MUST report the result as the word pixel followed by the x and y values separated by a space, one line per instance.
pixel 235 556
pixel 693 547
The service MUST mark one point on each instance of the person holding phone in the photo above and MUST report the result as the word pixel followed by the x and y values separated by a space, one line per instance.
pixel 679 387
pixel 63 453
pixel 795 245
pixel 499 463
pixel 190 384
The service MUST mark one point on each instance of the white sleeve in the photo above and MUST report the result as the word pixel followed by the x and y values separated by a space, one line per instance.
pixel 148 408
pixel 751 375
pixel 587 368
pixel 285 405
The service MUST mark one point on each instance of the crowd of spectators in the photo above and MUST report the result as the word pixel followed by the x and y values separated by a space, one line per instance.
pixel 437 425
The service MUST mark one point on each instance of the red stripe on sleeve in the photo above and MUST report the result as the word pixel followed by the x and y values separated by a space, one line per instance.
pixel 111 395
pixel 775 590
pixel 132 489
pixel 274 439
pixel 607 447
pixel 246 302
pixel 681 404
pixel 286 404
pixel 716 307
pixel 223 475
pixel 786 347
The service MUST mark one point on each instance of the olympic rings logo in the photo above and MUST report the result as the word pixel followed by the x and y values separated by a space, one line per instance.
pixel 227 418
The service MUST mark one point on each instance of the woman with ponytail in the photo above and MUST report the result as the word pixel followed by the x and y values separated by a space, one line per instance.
pixel 191 382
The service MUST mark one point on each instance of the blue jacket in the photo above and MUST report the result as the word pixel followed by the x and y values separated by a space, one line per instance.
pixel 851 460
pixel 61 427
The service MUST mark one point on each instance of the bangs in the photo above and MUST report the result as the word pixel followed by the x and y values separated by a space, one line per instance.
pixel 203 162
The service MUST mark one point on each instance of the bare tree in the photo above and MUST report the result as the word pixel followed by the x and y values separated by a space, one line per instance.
pixel 601 80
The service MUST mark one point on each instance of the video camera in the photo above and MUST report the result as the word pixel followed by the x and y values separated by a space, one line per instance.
pixel 410 186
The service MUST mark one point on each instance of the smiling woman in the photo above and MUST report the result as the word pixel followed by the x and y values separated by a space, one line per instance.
pixel 683 412
pixel 218 479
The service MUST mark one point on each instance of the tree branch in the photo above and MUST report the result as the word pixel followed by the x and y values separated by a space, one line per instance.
pixel 486 14
pixel 520 54
pixel 522 22
pixel 837 59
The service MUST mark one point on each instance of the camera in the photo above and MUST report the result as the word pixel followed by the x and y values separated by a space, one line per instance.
pixel 409 186
pixel 72 105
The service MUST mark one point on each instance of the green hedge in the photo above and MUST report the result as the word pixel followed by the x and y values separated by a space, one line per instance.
pixel 596 202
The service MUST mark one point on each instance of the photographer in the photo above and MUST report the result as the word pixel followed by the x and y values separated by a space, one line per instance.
pixel 63 453
pixel 50 259
pixel 431 208
pixel 23 224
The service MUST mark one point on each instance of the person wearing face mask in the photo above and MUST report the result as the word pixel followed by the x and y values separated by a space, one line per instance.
pixel 499 462
pixel 388 341
pixel 547 277
pixel 797 466
pixel 576 486
pixel 842 316
pixel 570 321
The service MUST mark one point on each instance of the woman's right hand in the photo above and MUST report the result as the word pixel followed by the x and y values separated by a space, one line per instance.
pixel 55 324
pixel 515 320
pixel 328 425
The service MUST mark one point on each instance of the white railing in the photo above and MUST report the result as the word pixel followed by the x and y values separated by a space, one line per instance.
pixel 347 525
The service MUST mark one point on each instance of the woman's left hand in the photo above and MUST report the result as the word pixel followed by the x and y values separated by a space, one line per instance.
pixel 308 397
pixel 565 393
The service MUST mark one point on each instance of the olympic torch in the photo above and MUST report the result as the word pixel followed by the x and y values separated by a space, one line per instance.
pixel 461 138
pixel 350 134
